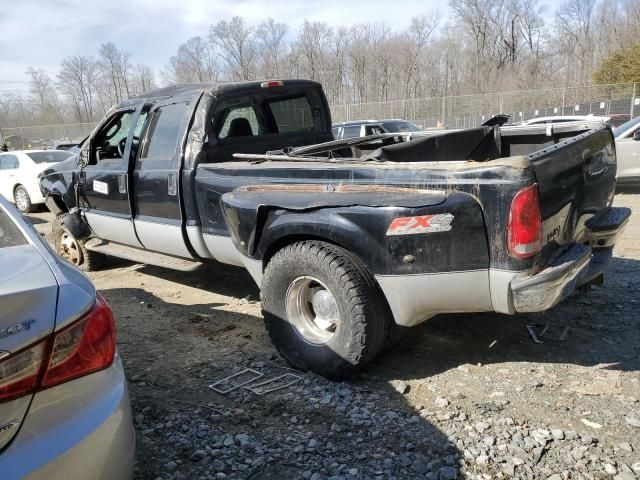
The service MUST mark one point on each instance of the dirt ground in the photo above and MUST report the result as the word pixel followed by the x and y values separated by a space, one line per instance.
pixel 435 399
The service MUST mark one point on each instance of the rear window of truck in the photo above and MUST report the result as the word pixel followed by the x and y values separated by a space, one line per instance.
pixel 250 118
pixel 292 115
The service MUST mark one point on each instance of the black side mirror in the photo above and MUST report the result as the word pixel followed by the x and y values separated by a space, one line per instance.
pixel 636 135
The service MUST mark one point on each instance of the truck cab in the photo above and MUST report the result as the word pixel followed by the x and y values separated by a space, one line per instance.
pixel 135 167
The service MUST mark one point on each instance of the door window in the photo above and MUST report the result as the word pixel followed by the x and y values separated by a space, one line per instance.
pixel 161 139
pixel 9 162
pixel 372 130
pixel 351 131
pixel 109 142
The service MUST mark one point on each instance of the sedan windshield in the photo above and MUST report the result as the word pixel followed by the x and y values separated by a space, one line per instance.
pixel 393 127
pixel 50 156
pixel 625 126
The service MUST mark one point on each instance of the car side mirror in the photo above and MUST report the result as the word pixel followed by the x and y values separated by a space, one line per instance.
pixel 636 136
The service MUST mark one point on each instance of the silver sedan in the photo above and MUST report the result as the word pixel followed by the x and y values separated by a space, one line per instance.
pixel 64 405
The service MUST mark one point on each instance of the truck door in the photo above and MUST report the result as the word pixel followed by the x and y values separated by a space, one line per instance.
pixel 105 181
pixel 156 180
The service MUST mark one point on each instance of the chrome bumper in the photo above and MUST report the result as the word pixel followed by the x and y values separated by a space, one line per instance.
pixel 575 266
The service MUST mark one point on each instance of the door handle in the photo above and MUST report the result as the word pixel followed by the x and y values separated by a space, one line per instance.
pixel 172 184
pixel 122 183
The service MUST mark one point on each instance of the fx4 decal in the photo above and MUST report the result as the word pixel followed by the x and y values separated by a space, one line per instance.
pixel 440 222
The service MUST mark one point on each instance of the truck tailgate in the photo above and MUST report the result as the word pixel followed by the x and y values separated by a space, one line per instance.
pixel 576 180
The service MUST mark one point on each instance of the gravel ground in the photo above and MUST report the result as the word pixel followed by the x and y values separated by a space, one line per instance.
pixel 465 396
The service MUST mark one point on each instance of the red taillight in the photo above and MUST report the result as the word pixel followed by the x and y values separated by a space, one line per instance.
pixel 84 347
pixel 19 372
pixel 272 83
pixel 524 233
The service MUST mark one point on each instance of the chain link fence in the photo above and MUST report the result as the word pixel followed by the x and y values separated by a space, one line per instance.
pixel 44 136
pixel 618 101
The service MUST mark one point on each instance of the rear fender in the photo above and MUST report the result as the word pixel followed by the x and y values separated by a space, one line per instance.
pixel 362 223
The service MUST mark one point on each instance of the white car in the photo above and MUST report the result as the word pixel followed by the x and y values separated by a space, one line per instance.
pixel 19 175
pixel 563 119
pixel 627 138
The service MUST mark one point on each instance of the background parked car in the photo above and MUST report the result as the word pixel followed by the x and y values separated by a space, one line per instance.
pixel 19 175
pixel 363 128
pixel 65 145
pixel 64 405
pixel 562 119
pixel 627 138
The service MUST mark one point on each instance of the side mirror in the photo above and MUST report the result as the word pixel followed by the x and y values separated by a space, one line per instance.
pixel 636 135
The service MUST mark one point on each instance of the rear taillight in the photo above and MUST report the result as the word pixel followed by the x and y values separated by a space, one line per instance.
pixel 84 347
pixel 524 233
pixel 19 372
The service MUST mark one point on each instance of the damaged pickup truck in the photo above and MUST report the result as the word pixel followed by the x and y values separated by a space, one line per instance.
pixel 352 240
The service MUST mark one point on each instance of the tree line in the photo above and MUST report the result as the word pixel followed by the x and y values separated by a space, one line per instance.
pixel 483 46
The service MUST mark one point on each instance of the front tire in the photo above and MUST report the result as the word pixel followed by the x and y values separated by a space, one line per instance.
pixel 322 309
pixel 22 199
pixel 74 250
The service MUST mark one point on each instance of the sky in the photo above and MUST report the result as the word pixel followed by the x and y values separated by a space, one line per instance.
pixel 40 33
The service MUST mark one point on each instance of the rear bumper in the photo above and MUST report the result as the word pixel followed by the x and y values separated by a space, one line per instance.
pixel 576 265
pixel 80 429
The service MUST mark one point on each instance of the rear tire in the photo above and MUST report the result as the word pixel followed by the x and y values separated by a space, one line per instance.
pixel 22 199
pixel 322 309
pixel 74 250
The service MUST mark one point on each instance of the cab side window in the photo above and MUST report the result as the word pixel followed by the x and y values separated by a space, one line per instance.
pixel 163 132
pixel 239 121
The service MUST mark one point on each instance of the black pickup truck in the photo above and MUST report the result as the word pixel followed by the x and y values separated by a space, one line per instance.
pixel 349 240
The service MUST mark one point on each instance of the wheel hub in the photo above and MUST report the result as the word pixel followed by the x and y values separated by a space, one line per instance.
pixel 312 309
pixel 69 249
pixel 21 199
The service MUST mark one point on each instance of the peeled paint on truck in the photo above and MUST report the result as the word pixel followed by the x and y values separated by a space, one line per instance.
pixel 349 239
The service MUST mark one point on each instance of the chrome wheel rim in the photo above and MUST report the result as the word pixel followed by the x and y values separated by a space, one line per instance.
pixel 22 200
pixel 312 309
pixel 69 249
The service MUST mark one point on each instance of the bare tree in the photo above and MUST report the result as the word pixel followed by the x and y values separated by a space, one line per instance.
pixel 44 93
pixel 314 41
pixel 77 80
pixel 237 46
pixel 143 79
pixel 195 62
pixel 272 47
pixel 575 36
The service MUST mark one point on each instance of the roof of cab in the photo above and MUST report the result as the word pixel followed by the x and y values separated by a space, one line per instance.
pixel 215 88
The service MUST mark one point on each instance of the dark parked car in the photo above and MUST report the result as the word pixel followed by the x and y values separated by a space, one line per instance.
pixel 363 128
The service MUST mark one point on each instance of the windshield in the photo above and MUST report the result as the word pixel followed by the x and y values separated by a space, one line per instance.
pixel 50 156
pixel 393 127
pixel 625 126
